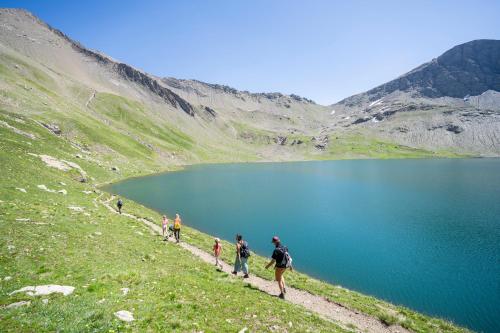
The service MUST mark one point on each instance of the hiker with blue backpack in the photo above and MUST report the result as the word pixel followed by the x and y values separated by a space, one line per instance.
pixel 282 260
pixel 242 254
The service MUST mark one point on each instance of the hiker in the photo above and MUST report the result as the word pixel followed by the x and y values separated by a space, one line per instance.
pixel 217 250
pixel 164 226
pixel 119 204
pixel 283 261
pixel 242 254
pixel 177 227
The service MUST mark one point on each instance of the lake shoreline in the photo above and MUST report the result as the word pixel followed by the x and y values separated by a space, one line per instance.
pixel 184 168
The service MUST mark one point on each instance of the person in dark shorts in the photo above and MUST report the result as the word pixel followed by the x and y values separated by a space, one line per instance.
pixel 282 261
pixel 119 204
pixel 177 227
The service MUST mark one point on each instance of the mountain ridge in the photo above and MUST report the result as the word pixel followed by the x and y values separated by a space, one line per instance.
pixel 493 83
pixel 269 126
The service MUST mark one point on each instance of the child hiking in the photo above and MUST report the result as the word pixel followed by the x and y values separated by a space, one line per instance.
pixel 119 204
pixel 242 254
pixel 177 227
pixel 282 261
pixel 164 226
pixel 217 250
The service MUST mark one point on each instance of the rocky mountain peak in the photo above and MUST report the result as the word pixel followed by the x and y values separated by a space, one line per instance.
pixel 467 69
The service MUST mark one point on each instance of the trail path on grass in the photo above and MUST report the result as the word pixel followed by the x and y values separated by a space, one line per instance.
pixel 90 99
pixel 337 313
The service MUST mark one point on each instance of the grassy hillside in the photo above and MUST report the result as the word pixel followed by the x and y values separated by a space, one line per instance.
pixel 44 242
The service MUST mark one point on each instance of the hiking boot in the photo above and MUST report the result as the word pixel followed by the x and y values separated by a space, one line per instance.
pixel 282 296
pixel 246 276
pixel 284 290
pixel 234 272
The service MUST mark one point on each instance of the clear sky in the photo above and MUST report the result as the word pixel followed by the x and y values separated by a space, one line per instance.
pixel 324 50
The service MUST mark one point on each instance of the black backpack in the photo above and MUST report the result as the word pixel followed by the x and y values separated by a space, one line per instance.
pixel 287 259
pixel 244 250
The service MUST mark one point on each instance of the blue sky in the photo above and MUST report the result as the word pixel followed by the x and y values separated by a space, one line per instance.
pixel 324 50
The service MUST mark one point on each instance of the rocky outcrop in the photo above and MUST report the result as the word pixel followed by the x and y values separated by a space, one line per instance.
pixel 17 131
pixel 454 129
pixel 361 120
pixel 320 142
pixel 210 111
pixel 280 140
pixel 45 290
pixel 169 96
pixel 187 85
pixel 53 128
pixel 449 127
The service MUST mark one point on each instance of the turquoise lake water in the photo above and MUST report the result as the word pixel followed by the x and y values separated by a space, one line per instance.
pixel 422 233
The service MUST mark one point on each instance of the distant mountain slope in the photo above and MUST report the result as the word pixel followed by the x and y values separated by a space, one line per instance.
pixel 108 107
pixel 118 114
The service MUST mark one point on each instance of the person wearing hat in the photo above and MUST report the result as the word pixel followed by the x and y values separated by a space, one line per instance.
pixel 282 261
pixel 217 250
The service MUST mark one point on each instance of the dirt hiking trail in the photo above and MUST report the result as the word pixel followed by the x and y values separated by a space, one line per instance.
pixel 344 317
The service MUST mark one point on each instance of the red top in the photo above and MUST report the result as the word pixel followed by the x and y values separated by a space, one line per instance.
pixel 217 248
